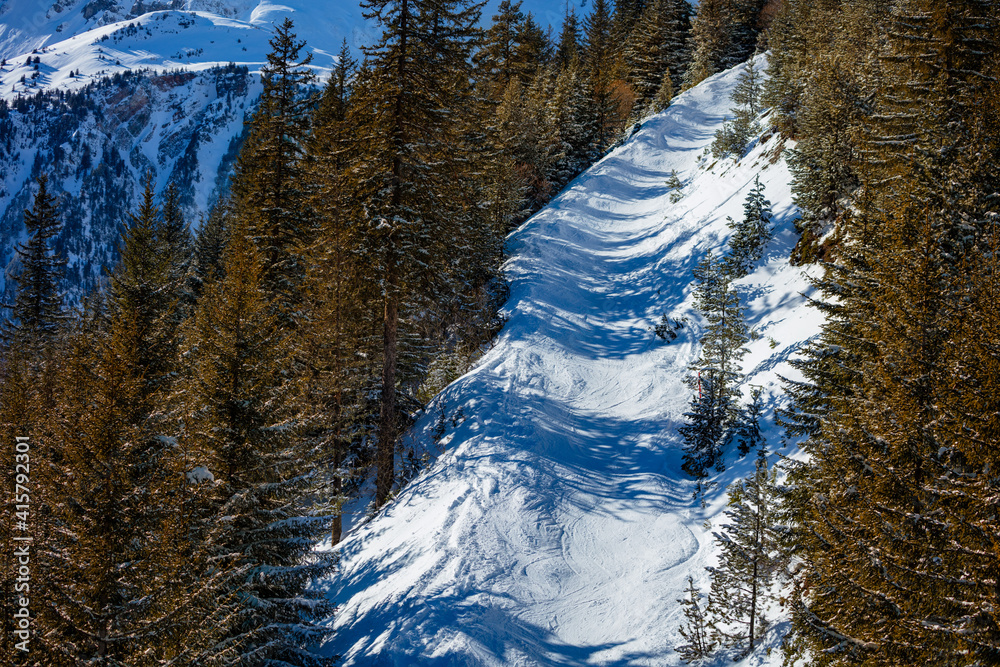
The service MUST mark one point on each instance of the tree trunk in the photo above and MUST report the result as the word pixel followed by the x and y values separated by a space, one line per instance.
pixel 387 421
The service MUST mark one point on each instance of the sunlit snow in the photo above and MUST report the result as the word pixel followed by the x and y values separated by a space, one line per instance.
pixel 557 528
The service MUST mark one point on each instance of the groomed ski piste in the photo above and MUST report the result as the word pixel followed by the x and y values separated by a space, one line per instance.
pixel 556 526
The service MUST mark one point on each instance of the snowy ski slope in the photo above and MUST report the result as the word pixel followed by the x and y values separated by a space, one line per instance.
pixel 557 527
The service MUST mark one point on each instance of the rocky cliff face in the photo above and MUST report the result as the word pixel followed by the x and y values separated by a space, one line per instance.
pixel 97 144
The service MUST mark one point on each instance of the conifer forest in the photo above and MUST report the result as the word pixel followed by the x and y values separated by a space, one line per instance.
pixel 445 332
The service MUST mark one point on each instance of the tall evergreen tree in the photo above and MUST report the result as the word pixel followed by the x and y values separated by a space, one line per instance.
pixel 568 48
pixel 724 34
pixel 657 50
pixel 600 64
pixel 113 469
pixel 501 57
pixel 713 409
pixel 704 430
pixel 267 183
pixel 887 482
pixel 748 435
pixel 38 306
pixel 748 561
pixel 209 246
pixel 244 438
pixel 408 153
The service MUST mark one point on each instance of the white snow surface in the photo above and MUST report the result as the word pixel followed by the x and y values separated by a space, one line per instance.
pixel 557 527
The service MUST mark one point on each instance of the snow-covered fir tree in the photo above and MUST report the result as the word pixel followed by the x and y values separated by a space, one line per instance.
pixel 751 234
pixel 748 562
pixel 696 629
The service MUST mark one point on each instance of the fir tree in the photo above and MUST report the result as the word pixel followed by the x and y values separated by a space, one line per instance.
pixel 724 34
pixel 267 183
pixel 568 48
pixel 750 235
pixel 113 469
pixel 38 306
pixel 713 409
pixel 174 238
pixel 748 562
pixel 599 59
pixel 703 431
pixel 656 55
pixel 409 154
pixel 570 139
pixel 209 245
pixel 238 407
pixel 663 97
pixel 735 134
pixel 889 482
pixel 725 333
pixel 503 55
pixel 748 435
pixel 696 627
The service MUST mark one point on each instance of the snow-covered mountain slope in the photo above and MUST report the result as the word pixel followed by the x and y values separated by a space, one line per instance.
pixel 556 527
pixel 96 147
pixel 105 36
pixel 160 85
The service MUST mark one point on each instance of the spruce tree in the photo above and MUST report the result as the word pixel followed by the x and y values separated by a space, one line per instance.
pixel 502 56
pixel 243 435
pixel 748 435
pixel 736 134
pixel 716 372
pixel 570 136
pixel 750 235
pixel 114 468
pixel 568 48
pixel 696 629
pixel 38 307
pixel 724 34
pixel 600 65
pixel 725 336
pixel 209 246
pixel 267 184
pixel 703 431
pixel 656 54
pixel 748 562
pixel 889 482
pixel 408 155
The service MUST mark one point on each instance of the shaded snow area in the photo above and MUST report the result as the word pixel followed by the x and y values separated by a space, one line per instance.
pixel 556 527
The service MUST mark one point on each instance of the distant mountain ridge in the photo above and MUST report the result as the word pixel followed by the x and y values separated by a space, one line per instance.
pixel 97 92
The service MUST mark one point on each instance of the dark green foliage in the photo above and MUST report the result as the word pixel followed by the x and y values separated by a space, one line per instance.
pixel 408 169
pixel 38 307
pixel 750 235
pixel 889 510
pixel 724 34
pixel 747 432
pixel 599 60
pixel 704 429
pixel 713 408
pixel 242 432
pixel 657 53
pixel 568 48
pixel 748 562
pixel 267 184
pixel 736 134
pixel 209 246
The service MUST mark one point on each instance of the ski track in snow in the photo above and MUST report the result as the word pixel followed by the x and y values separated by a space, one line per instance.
pixel 558 528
